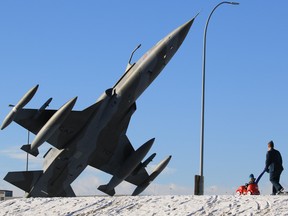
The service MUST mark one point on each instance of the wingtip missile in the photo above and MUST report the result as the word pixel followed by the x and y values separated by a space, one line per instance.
pixel 22 102
pixel 161 166
pixel 9 118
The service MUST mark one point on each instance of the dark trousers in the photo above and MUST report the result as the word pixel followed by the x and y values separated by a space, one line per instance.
pixel 274 179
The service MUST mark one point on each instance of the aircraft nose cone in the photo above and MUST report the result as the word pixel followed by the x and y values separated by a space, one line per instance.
pixel 183 30
pixel 185 27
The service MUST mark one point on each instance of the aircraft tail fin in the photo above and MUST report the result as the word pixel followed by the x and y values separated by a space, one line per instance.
pixel 68 192
pixel 23 180
pixel 104 189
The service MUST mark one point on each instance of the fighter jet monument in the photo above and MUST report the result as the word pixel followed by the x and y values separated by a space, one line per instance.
pixel 95 136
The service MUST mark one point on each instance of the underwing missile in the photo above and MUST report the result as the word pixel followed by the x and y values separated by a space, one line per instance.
pixel 153 175
pixel 46 104
pixel 43 107
pixel 53 124
pixel 148 160
pixel 23 101
pixel 144 164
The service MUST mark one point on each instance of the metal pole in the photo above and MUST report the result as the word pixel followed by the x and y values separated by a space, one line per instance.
pixel 27 153
pixel 200 179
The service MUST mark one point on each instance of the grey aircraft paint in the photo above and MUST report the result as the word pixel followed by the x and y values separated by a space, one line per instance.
pixel 95 136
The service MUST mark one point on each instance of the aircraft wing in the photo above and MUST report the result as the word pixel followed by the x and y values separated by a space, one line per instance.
pixel 33 121
pixel 135 178
pixel 123 151
pixel 117 135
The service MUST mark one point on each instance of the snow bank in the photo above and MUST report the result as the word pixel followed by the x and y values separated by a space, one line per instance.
pixel 148 205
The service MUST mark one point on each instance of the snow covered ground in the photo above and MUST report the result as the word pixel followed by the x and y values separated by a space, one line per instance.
pixel 148 205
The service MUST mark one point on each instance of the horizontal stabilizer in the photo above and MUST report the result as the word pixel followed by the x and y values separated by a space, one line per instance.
pixel 23 180
pixel 103 188
pixel 27 148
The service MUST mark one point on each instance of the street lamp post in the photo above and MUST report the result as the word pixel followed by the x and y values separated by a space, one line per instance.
pixel 27 157
pixel 199 179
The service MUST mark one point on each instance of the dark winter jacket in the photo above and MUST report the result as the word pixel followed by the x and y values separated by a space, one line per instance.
pixel 273 161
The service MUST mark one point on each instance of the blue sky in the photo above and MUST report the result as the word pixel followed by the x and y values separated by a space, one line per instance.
pixel 73 48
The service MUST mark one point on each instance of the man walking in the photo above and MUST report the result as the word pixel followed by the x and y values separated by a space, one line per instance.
pixel 274 168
